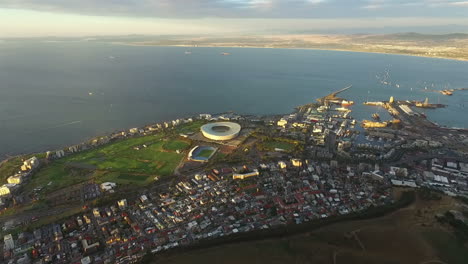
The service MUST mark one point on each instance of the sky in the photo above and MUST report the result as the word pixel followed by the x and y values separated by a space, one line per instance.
pixel 32 18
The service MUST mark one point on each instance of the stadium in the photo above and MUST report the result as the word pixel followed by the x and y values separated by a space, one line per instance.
pixel 202 153
pixel 221 130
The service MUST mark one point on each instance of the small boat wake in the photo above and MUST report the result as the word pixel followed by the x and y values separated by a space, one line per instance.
pixel 63 125
pixel 67 124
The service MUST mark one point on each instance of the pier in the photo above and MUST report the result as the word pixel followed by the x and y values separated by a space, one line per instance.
pixel 332 96
pixel 447 91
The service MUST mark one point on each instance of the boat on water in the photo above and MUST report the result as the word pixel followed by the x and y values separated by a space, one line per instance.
pixel 342 109
pixel 225 53
pixel 346 103
pixel 376 116
pixel 446 92
pixel 188 52
pixel 371 124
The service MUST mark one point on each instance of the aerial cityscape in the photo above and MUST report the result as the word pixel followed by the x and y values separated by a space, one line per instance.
pixel 234 132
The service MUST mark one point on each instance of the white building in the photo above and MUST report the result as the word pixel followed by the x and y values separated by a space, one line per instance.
pixel 60 153
pixel 282 122
pixel 245 175
pixel 442 179
pixel 300 125
pixel 404 183
pixel 96 212
pixel 30 164
pixel 143 198
pixel 7 189
pixel 452 165
pixel 205 116
pixel 122 203
pixel 9 242
pixel 282 164
pixel 296 162
pixel 108 186
pixel 15 179
pixel 397 171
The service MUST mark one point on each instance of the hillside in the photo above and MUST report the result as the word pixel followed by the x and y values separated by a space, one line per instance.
pixel 410 235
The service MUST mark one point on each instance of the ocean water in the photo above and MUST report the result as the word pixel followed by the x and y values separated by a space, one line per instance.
pixel 61 93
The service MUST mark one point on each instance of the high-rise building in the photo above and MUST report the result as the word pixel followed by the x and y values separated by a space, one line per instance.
pixel 330 141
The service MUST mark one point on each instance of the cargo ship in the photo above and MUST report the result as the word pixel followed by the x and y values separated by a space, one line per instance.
pixel 347 103
pixel 372 124
pixel 446 92
pixel 426 104
pixel 374 103
pixel 368 124
pixel 342 109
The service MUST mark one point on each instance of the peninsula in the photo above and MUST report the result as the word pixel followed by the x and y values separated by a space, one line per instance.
pixel 448 46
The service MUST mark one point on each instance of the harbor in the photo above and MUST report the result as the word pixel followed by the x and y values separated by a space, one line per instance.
pixel 406 117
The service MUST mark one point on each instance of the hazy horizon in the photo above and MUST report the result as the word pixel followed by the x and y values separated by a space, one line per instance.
pixel 28 18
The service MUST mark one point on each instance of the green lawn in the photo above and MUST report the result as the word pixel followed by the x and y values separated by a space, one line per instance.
pixel 119 162
pixel 191 127
pixel 271 145
pixel 176 145
pixel 9 168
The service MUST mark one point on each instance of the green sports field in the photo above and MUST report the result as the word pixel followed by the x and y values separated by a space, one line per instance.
pixel 125 162
pixel 272 144
pixel 206 153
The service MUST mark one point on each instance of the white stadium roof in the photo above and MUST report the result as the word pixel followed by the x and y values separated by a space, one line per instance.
pixel 221 130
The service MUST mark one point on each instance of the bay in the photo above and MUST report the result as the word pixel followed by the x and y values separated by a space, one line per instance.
pixel 54 94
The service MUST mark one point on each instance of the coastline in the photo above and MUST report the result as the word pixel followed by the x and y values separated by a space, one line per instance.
pixel 86 138
pixel 286 48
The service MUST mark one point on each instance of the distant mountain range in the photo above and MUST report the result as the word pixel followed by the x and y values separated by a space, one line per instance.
pixel 412 36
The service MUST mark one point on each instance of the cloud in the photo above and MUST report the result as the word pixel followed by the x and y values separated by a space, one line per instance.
pixel 173 8
pixel 395 4
pixel 21 23
pixel 271 15
pixel 461 3
pixel 240 8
